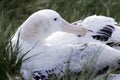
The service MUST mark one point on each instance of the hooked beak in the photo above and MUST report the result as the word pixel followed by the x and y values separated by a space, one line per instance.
pixel 75 29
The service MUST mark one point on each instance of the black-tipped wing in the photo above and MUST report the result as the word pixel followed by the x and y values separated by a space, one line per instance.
pixel 104 34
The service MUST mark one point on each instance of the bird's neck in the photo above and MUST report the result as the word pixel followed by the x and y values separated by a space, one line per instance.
pixel 32 35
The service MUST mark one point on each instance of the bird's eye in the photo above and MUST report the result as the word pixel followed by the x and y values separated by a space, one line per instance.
pixel 55 19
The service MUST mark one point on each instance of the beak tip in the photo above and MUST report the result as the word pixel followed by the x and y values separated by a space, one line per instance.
pixel 84 31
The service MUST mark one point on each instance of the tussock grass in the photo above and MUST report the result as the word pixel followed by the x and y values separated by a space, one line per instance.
pixel 9 63
pixel 71 10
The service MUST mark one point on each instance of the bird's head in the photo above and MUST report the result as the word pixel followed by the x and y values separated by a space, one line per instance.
pixel 45 22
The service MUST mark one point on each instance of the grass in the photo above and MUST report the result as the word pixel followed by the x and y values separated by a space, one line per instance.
pixel 9 63
pixel 19 10
pixel 14 12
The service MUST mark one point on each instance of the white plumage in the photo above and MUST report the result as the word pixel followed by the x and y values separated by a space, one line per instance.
pixel 39 26
pixel 114 77
pixel 55 59
pixel 101 29
pixel 33 33
pixel 112 32
pixel 49 56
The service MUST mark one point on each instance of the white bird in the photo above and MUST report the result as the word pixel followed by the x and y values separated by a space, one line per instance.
pixel 32 36
pixel 44 59
pixel 39 26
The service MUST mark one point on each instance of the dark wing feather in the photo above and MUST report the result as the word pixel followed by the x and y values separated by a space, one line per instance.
pixel 104 34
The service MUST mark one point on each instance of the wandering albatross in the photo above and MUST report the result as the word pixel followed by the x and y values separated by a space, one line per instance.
pixel 45 59
pixel 33 32
pixel 40 25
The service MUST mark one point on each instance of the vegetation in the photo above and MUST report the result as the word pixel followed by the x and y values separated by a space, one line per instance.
pixel 14 12
pixel 9 65
pixel 71 10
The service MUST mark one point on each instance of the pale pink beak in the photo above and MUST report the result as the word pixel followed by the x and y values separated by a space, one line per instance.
pixel 75 29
